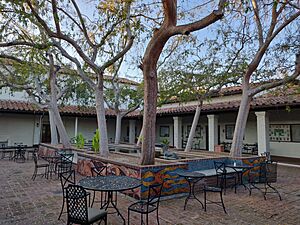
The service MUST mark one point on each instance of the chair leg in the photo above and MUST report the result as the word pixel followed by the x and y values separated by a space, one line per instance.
pixel 34 173
pixel 128 217
pixel 222 202
pixel 235 184
pixel 157 217
pixel 204 201
pixel 147 219
pixel 62 208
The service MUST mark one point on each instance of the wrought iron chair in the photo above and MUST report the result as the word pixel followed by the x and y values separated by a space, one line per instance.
pixel 66 178
pixel 265 175
pixel 151 204
pixel 213 190
pixel 99 169
pixel 223 176
pixel 65 163
pixel 78 210
pixel 267 156
pixel 37 166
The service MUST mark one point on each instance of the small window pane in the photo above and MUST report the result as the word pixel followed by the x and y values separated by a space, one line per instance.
pixel 295 133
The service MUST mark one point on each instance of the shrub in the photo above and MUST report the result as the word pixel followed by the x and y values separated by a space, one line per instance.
pixel 95 143
pixel 79 141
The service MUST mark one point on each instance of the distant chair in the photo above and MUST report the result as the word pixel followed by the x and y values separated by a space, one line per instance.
pixel 66 178
pixel 211 189
pixel 267 156
pixel 37 166
pixel 223 176
pixel 145 207
pixel 78 210
pixel 265 175
pixel 65 163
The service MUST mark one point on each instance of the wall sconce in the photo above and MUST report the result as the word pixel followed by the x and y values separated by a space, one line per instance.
pixel 37 124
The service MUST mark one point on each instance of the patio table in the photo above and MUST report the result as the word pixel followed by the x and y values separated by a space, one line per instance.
pixel 240 169
pixel 110 184
pixel 19 153
pixel 192 178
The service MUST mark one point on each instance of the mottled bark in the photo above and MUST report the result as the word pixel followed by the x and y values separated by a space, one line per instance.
pixel 118 128
pixel 240 125
pixel 103 141
pixel 54 138
pixel 193 129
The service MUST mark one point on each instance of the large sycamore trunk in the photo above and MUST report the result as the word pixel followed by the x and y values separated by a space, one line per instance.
pixel 193 129
pixel 149 119
pixel 53 131
pixel 64 138
pixel 103 141
pixel 240 126
pixel 118 128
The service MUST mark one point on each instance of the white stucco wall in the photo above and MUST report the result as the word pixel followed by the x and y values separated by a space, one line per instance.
pixel 17 128
pixel 288 149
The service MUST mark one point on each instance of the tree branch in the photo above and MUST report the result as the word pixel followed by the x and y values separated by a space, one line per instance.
pixel 200 24
pixel 277 83
pixel 258 23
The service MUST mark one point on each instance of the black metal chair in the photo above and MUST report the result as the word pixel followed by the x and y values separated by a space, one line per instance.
pixel 151 204
pixel 78 210
pixel 267 156
pixel 66 178
pixel 223 176
pixel 37 166
pixel 265 175
pixel 99 169
pixel 213 190
pixel 65 163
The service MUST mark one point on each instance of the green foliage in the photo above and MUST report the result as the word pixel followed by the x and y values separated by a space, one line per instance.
pixel 95 143
pixel 165 142
pixel 79 141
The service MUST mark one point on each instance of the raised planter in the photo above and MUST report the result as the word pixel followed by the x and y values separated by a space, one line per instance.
pixel 151 174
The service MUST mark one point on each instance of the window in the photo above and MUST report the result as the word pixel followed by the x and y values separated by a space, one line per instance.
pixel 229 129
pixel 164 131
pixel 295 132
pixel 197 132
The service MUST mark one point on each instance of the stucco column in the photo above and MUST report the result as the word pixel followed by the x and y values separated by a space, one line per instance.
pixel 263 139
pixel 76 127
pixel 132 131
pixel 177 132
pixel 212 132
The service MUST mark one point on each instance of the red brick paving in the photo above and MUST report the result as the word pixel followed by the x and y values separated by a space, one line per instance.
pixel 27 202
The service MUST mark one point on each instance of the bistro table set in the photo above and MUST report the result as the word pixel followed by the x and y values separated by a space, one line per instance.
pixel 222 169
pixel 110 184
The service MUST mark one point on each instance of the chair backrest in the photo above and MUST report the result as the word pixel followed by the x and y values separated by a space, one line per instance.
pixel 116 171
pixel 67 178
pixel 267 155
pixel 34 156
pixel 219 167
pixel 154 194
pixel 77 207
pixel 99 169
pixel 269 172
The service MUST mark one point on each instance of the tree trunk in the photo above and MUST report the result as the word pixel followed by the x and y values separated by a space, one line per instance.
pixel 64 138
pixel 54 139
pixel 140 139
pixel 103 141
pixel 193 129
pixel 118 128
pixel 240 126
pixel 149 119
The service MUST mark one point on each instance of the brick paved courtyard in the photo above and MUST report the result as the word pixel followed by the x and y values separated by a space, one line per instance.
pixel 27 202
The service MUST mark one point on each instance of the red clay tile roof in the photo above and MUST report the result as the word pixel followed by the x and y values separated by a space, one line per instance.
pixel 257 103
